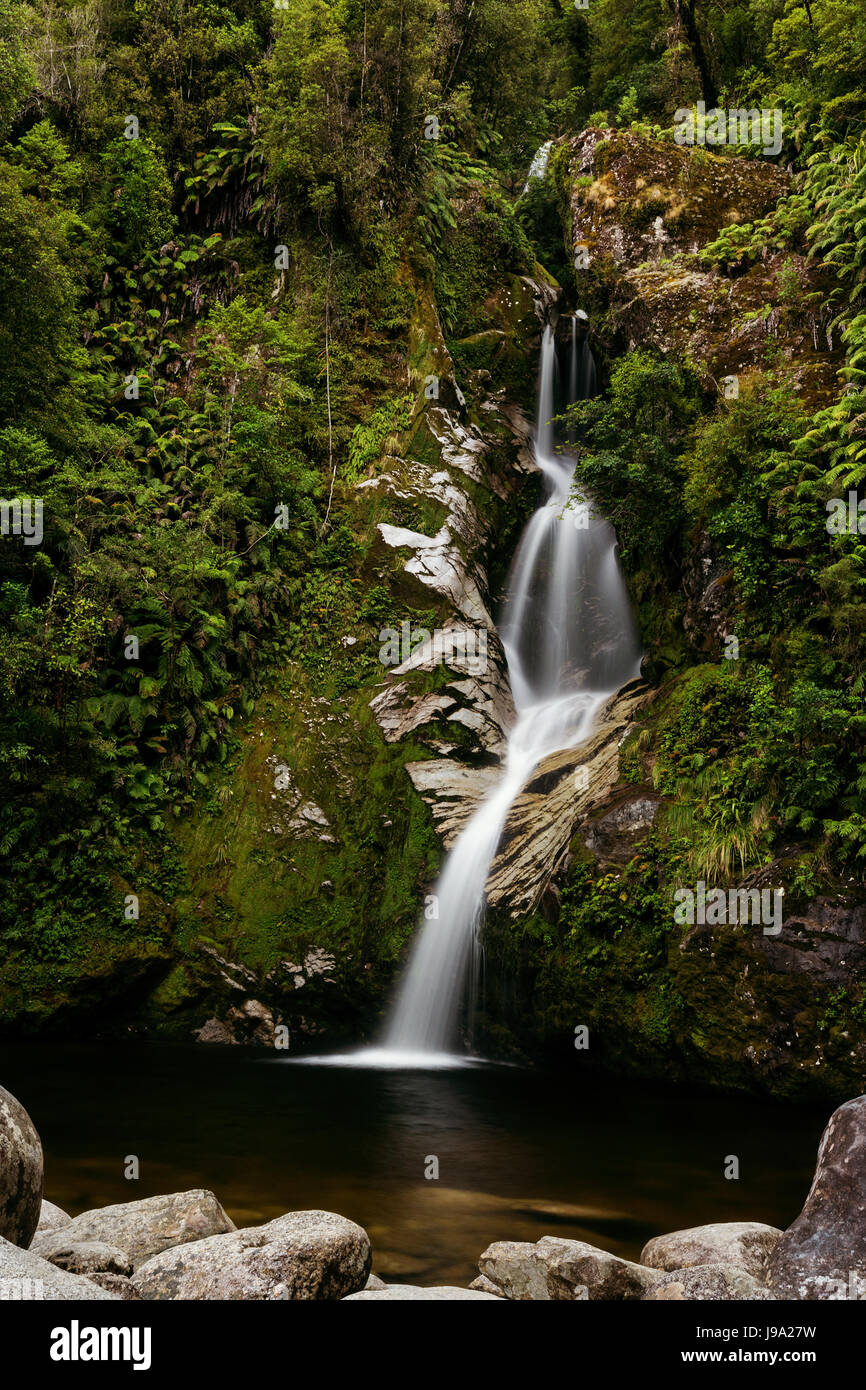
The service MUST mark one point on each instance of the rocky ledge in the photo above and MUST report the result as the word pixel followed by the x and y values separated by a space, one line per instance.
pixel 184 1246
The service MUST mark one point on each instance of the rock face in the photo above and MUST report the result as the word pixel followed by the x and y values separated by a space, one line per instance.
pixel 826 941
pixel 465 722
pixel 747 1245
pixel 51 1218
pixel 823 1254
pixel 81 1256
pixel 20 1172
pixel 648 211
pixel 707 1283
pixel 614 836
pixel 555 1269
pixel 24 1275
pixel 438 1293
pixel 146 1227
pixel 559 796
pixel 303 1255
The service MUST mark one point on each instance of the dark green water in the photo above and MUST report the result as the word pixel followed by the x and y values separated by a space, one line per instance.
pixel 521 1154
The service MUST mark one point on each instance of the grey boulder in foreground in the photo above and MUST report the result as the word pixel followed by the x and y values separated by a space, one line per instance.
pixel 555 1269
pixel 26 1276
pixel 746 1244
pixel 80 1256
pixel 711 1282
pixel 823 1254
pixel 303 1255
pixel 20 1172
pixel 152 1224
pixel 51 1218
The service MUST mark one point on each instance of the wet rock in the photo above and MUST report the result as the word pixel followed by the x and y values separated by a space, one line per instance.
pixel 436 1294
pixel 318 961
pixel 152 1224
pixel 614 836
pixel 744 1244
pixel 51 1218
pixel 292 814
pixel 480 700
pixel 707 1283
pixel 452 791
pixel 26 1276
pixel 374 1282
pixel 81 1256
pixel 555 1269
pixel 822 1255
pixel 562 792
pixel 303 1255
pixel 20 1172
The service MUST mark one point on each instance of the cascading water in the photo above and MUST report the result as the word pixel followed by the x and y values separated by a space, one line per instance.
pixel 538 167
pixel 570 642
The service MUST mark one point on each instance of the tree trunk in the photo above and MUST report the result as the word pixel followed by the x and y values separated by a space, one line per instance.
pixel 685 13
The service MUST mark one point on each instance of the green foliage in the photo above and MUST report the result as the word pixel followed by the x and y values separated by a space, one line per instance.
pixel 740 244
pixel 17 73
pixel 39 339
pixel 836 182
pixel 630 442
pixel 370 439
pixel 749 758
pixel 135 200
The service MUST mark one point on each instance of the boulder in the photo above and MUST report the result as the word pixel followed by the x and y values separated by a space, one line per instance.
pixel 51 1218
pixel 215 1032
pixel 710 1282
pixel 20 1172
pixel 746 1244
pixel 152 1224
pixel 116 1284
pixel 26 1276
pixel 303 1255
pixel 823 1254
pixel 81 1256
pixel 437 1293
pixel 485 1285
pixel 555 1269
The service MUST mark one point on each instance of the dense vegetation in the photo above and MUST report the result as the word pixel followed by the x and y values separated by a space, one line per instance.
pixel 216 225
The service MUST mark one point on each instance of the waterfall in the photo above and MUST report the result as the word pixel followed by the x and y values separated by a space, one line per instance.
pixel 538 167
pixel 570 642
